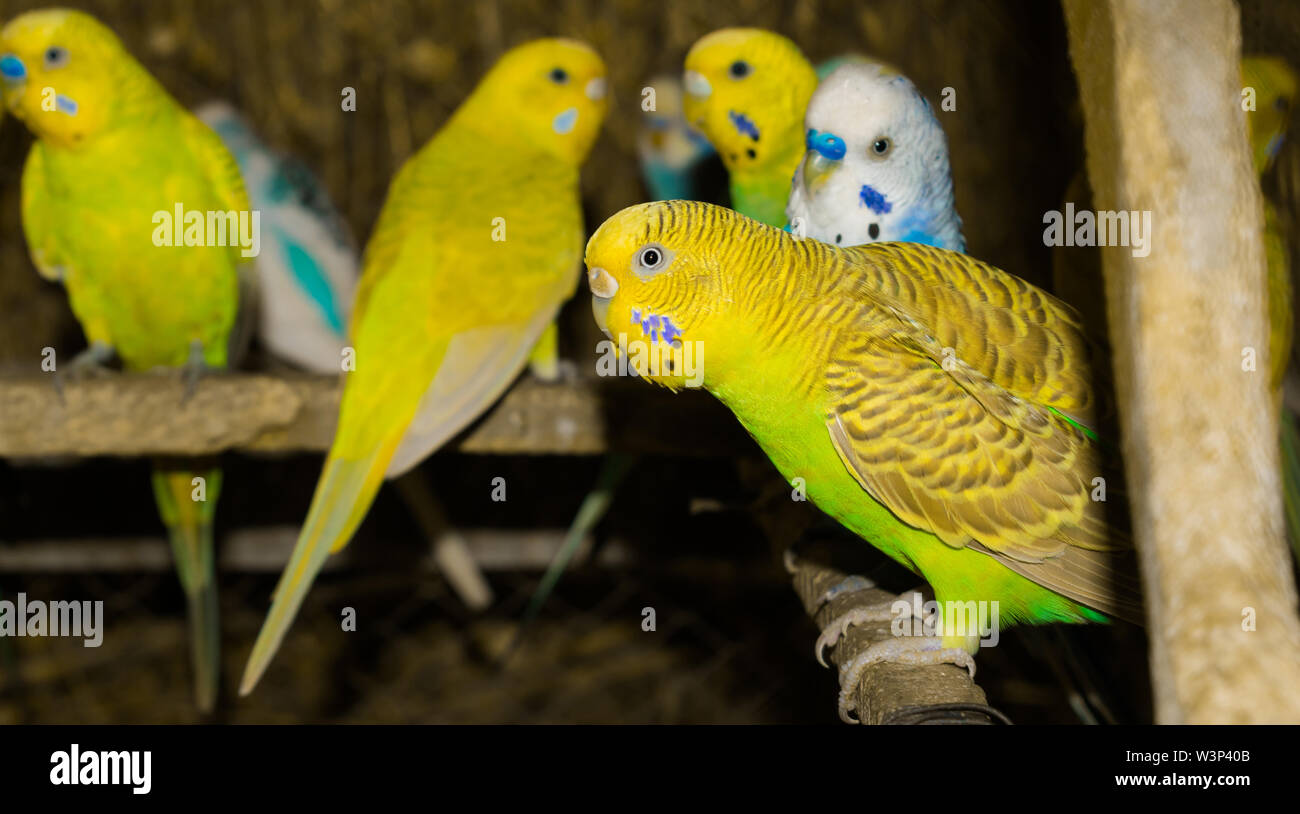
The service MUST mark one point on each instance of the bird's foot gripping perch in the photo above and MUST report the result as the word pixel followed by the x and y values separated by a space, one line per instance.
pixel 195 367
pixel 914 650
pixel 93 361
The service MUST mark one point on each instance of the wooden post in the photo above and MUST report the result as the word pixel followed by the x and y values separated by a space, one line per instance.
pixel 1161 90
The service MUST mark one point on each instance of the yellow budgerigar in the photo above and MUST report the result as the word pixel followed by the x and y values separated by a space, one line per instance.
pixel 476 248
pixel 116 159
pixel 938 407
pixel 747 89
pixel 1274 85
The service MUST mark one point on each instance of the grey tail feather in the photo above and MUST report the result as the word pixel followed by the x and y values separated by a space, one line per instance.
pixel 589 515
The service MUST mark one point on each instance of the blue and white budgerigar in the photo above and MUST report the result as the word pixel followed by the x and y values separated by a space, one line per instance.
pixel 308 269
pixel 669 149
pixel 876 166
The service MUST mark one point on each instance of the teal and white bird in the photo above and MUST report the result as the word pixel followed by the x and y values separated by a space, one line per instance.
pixel 308 268
pixel 876 166
pixel 307 276
pixel 669 149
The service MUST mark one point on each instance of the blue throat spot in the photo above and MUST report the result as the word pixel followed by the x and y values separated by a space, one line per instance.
pixel 743 124
pixel 66 104
pixel 875 201
pixel 655 325
pixel 565 121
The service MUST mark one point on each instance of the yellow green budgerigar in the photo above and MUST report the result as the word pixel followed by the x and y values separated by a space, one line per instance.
pixel 747 90
pixel 1274 84
pixel 936 406
pixel 476 248
pixel 113 150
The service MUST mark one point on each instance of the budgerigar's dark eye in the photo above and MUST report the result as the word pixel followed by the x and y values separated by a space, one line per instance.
pixel 652 259
pixel 881 147
pixel 559 76
pixel 739 69
pixel 56 56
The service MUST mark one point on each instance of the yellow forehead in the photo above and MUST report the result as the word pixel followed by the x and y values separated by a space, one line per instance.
pixel 545 54
pixel 37 28
pixel 719 49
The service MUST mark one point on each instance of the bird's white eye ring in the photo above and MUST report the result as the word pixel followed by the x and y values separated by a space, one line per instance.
pixel 56 56
pixel 651 259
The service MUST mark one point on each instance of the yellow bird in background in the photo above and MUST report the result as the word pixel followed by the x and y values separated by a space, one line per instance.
pixel 476 248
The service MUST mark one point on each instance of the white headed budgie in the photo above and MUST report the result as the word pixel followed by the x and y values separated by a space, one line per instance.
pixel 876 167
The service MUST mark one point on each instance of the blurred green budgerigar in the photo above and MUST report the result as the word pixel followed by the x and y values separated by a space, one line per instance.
pixel 113 150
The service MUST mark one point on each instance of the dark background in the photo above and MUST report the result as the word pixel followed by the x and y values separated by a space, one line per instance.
pixel 733 644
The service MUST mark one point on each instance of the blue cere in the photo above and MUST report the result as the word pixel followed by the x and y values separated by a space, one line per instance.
pixel 743 125
pixel 11 67
pixel 875 201
pixel 565 121
pixel 828 145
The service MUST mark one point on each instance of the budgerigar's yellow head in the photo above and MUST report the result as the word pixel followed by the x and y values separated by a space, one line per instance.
pixel 664 274
pixel 65 75
pixel 747 89
pixel 553 90
pixel 1274 84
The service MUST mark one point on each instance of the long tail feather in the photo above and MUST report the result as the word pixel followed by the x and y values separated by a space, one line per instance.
pixel 590 513
pixel 343 496
pixel 188 509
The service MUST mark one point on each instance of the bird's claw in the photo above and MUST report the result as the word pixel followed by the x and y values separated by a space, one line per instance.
pixel 914 650
pixel 91 362
pixel 194 368
pixel 839 626
pixel 848 585
pixel 555 371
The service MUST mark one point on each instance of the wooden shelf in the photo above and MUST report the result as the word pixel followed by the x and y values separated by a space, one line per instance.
pixel 142 414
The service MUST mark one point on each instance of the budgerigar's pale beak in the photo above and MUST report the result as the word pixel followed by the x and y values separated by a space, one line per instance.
pixel 603 288
pixel 696 84
pixel 825 155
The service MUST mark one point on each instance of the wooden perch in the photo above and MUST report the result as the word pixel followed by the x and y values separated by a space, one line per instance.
pixel 1161 89
pixel 267 549
pixel 142 414
pixel 887 693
